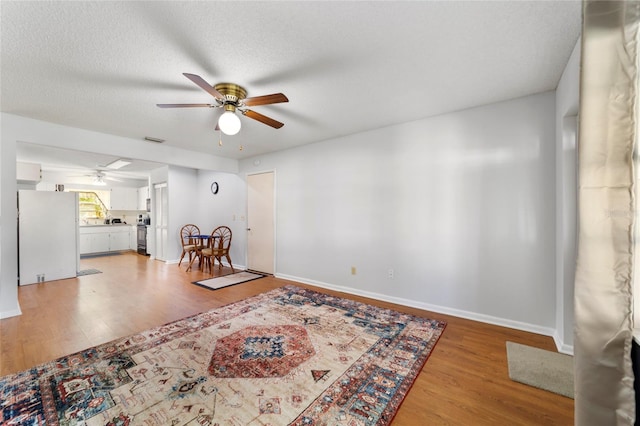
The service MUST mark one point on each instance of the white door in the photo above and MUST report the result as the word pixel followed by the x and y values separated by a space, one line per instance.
pixel 161 203
pixel 261 222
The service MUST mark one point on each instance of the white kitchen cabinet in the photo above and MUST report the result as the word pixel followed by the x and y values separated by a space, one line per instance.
pixel 143 194
pixel 100 243
pixel 133 238
pixel 93 242
pixel 104 238
pixel 124 199
pixel 119 241
pixel 84 243
pixel 28 172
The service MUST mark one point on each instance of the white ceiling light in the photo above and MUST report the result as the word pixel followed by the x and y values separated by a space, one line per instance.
pixel 229 123
pixel 118 164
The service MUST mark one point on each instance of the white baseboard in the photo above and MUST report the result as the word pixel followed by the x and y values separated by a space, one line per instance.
pixel 561 346
pixel 175 261
pixel 565 349
pixel 11 313
pixel 235 266
pixel 503 322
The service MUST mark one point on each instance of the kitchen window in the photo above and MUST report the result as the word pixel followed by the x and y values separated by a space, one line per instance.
pixel 91 206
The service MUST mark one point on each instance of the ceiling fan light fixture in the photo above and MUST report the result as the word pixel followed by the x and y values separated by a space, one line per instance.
pixel 231 96
pixel 229 123
pixel 99 181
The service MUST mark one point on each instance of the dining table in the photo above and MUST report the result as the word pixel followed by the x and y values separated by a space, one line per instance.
pixel 201 241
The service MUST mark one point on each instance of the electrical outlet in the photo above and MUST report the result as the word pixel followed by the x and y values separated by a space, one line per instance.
pixel 390 273
pixel 353 270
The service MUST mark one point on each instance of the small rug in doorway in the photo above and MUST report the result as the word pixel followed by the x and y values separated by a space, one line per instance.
pixel 87 272
pixel 90 255
pixel 227 280
pixel 290 356
pixel 551 371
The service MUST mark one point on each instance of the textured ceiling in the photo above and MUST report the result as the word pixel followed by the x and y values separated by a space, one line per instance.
pixel 346 67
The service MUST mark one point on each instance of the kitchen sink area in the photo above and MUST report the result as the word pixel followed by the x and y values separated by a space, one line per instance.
pixel 116 227
pixel 104 238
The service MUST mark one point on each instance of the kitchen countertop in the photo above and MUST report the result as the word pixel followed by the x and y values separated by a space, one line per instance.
pixel 102 225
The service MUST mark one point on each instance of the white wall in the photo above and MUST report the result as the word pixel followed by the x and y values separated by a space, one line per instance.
pixel 227 207
pixel 8 222
pixel 567 103
pixel 15 128
pixel 182 191
pixel 461 206
pixel 191 201
pixel 43 133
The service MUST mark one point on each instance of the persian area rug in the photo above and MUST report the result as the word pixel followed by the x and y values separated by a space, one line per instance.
pixel 542 369
pixel 227 280
pixel 288 356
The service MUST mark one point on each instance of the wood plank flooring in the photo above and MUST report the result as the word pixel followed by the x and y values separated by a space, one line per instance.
pixel 464 382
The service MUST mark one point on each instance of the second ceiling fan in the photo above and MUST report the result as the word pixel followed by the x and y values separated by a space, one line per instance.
pixel 232 98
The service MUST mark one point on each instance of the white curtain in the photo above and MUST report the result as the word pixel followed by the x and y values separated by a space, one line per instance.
pixel 605 266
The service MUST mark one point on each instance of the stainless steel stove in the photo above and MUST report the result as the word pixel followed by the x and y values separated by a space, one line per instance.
pixel 142 239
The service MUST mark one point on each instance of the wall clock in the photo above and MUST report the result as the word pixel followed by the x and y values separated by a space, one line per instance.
pixel 214 188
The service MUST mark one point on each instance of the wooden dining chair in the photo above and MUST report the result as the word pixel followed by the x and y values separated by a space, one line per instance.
pixel 190 244
pixel 219 245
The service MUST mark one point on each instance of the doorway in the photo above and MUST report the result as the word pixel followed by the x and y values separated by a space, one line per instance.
pixel 261 222
pixel 161 221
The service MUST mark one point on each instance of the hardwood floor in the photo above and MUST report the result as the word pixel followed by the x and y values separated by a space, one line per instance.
pixel 465 380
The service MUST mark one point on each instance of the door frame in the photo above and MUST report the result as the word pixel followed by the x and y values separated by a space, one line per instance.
pixel 160 222
pixel 275 235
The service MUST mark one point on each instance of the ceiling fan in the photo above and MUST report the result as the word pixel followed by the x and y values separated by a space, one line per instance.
pixel 99 178
pixel 232 97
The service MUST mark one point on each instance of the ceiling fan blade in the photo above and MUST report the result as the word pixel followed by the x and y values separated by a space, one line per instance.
pixel 263 119
pixel 204 85
pixel 183 105
pixel 275 98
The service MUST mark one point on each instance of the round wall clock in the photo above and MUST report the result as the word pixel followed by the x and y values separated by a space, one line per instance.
pixel 214 188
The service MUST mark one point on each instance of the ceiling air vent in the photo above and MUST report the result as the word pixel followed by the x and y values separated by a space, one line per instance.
pixel 156 140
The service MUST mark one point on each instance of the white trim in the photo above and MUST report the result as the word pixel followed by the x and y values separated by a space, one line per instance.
pixel 235 266
pixel 224 263
pixel 532 328
pixel 11 313
pixel 561 346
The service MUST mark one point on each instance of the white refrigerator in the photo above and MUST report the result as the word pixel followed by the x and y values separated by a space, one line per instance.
pixel 47 236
